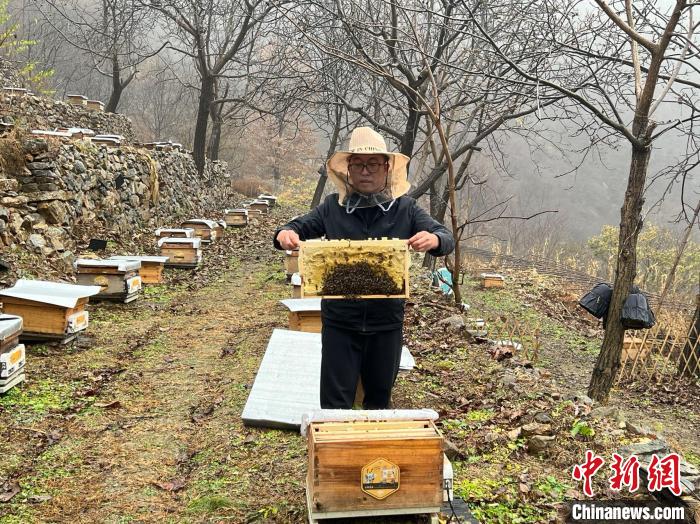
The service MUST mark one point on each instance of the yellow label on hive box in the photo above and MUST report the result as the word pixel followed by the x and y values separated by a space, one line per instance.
pixel 102 281
pixel 380 478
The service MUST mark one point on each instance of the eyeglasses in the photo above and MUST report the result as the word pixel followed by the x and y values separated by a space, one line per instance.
pixel 372 166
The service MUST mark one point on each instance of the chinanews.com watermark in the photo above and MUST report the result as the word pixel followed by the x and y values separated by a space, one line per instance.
pixel 617 511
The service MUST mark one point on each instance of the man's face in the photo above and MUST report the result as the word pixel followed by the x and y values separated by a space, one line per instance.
pixel 368 172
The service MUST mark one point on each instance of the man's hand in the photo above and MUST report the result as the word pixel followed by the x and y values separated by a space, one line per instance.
pixel 288 239
pixel 424 241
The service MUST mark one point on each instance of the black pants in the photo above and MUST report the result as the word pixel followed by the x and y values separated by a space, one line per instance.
pixel 347 355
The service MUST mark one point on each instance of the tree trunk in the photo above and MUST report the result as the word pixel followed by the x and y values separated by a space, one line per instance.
pixel 320 187
pixel 689 364
pixel 206 95
pixel 117 89
pixel 429 260
pixel 608 362
pixel 215 136
pixel 411 129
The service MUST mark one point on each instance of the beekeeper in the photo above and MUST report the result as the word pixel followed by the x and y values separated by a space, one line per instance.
pixel 363 337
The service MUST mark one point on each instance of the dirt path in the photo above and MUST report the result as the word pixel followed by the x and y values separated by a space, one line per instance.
pixel 144 425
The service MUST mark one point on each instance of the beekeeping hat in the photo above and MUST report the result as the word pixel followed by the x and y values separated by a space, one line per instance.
pixel 366 141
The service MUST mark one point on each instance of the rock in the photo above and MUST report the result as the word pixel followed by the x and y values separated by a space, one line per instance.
pixel 543 418
pixel 454 323
pixel 514 434
pixel 37 166
pixel 66 259
pixel 8 184
pixel 4 213
pixel 55 236
pixel 45 196
pixel 607 412
pixel 583 399
pixel 55 212
pixel 639 429
pixel 79 167
pixel 36 243
pixel 14 201
pixel 538 444
pixel 536 428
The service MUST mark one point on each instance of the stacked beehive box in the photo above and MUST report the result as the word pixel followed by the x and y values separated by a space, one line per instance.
pixel 12 353
pixel 270 199
pixel 49 310
pixel 206 230
pixel 259 205
pixel 304 314
pixel 166 232
pixel 119 280
pixel 183 253
pixel 236 217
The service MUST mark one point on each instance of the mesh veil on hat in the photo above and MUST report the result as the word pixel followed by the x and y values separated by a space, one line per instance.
pixel 366 141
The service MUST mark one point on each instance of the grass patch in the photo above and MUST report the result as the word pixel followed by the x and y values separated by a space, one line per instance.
pixel 40 398
pixel 510 513
pixel 209 504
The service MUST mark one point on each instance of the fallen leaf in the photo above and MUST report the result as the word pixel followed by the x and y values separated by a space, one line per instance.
pixel 171 486
pixel 108 405
pixel 38 499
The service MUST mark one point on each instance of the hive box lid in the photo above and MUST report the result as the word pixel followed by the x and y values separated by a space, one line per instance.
pixel 209 223
pixel 119 265
pixel 185 230
pixel 192 242
pixel 141 258
pixel 302 304
pixel 54 293
pixel 10 325
pixel 242 211
pixel 288 381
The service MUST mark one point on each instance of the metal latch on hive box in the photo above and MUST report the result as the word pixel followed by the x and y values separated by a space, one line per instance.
pixel 380 478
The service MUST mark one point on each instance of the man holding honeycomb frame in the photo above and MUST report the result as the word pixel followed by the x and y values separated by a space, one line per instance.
pixel 363 337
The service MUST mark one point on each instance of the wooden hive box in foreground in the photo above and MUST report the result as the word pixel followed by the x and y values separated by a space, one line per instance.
pixel 319 258
pixel 181 252
pixel 151 271
pixel 363 468
pixel 236 217
pixel 204 229
pixel 165 232
pixel 304 314
pixel 118 279
pixel 49 310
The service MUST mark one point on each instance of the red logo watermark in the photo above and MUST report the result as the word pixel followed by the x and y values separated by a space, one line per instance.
pixel 662 473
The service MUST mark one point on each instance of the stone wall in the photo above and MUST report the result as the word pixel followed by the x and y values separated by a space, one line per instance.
pixel 35 112
pixel 54 195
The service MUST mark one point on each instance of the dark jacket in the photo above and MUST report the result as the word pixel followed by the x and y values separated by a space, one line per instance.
pixel 403 220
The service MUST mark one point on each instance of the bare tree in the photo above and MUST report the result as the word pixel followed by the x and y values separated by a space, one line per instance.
pixel 212 33
pixel 634 48
pixel 113 34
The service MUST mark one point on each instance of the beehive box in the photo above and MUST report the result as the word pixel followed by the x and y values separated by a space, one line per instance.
pixel 236 217
pixel 489 280
pixel 118 279
pixel 254 214
pixel 77 100
pixel 165 232
pixel 203 229
pixel 95 105
pixel 10 330
pixel 151 271
pixel 220 229
pixel 270 199
pixel 49 310
pixel 360 468
pixel 12 361
pixel 319 258
pixel 181 252
pixel 304 314
pixel 260 205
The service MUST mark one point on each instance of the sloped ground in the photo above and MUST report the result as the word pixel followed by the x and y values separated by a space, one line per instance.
pixel 140 421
